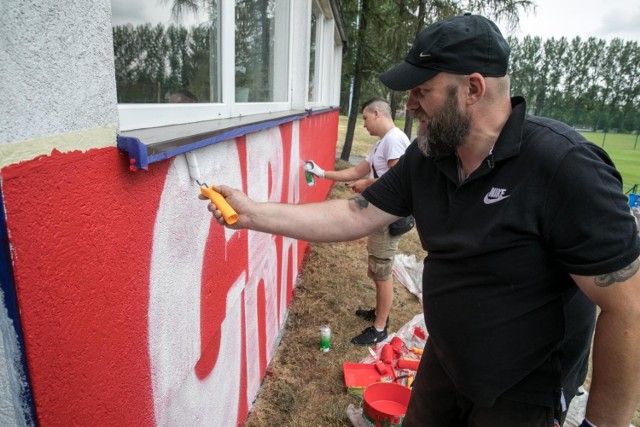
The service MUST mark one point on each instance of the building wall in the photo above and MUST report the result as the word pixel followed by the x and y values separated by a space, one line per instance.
pixel 136 308
pixel 135 305
pixel 57 71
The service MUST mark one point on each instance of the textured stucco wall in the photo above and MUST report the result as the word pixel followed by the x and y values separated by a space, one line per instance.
pixel 136 308
pixel 56 64
pixel 58 90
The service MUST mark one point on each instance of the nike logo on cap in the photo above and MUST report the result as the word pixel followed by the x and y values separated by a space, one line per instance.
pixel 495 195
pixel 424 55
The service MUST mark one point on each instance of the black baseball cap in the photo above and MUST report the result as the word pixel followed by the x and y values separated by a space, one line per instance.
pixel 461 45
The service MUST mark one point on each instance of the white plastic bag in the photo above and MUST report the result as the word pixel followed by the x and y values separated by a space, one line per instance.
pixel 355 415
pixel 409 272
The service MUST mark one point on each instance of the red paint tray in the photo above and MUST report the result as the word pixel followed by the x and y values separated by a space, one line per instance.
pixel 362 374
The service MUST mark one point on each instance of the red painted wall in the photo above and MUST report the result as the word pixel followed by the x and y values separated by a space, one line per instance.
pixel 82 227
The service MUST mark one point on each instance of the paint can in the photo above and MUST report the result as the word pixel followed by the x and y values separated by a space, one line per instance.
pixel 308 176
pixel 325 338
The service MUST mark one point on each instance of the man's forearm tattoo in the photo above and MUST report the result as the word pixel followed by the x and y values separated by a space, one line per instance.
pixel 360 201
pixel 605 280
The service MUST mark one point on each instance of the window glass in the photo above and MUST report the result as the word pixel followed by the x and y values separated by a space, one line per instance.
pixel 167 51
pixel 173 68
pixel 261 49
pixel 312 53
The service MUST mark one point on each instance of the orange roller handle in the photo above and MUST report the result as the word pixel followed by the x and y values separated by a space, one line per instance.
pixel 229 215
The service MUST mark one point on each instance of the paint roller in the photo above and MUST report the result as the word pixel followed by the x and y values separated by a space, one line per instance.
pixel 230 216
pixel 192 164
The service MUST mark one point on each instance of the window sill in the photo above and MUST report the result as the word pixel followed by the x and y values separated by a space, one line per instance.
pixel 146 146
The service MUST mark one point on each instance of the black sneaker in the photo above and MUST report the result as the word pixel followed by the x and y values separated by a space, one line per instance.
pixel 370 316
pixel 370 336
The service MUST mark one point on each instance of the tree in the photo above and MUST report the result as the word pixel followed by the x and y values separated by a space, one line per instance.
pixel 525 68
pixel 355 95
pixel 590 101
pixel 629 86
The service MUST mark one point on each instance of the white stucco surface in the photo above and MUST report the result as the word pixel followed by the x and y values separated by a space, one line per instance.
pixel 57 70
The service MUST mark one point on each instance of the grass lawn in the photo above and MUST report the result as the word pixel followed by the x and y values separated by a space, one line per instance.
pixel 624 150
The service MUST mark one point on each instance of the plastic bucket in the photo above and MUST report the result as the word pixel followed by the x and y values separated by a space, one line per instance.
pixel 385 404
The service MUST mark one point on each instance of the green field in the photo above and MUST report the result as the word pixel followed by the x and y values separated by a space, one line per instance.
pixel 624 150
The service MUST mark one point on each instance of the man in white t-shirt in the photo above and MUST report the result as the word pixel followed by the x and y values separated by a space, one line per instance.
pixel 381 246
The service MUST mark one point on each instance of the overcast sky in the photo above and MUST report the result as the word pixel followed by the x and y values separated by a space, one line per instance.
pixel 139 12
pixel 603 19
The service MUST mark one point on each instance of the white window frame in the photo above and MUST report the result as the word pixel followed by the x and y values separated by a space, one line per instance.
pixel 143 116
pixel 328 61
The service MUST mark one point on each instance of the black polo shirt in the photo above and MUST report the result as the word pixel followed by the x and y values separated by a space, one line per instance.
pixel 503 314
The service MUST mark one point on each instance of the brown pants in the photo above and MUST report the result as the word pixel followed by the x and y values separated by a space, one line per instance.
pixel 381 248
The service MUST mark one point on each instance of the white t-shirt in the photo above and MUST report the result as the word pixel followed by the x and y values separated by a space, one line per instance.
pixel 390 147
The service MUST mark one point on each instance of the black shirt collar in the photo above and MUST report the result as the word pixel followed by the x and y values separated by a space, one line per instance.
pixel 507 145
pixel 510 138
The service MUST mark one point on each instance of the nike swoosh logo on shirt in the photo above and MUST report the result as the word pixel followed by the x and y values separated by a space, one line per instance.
pixel 495 195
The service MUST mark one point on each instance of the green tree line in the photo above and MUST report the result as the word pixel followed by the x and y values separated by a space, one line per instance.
pixel 589 84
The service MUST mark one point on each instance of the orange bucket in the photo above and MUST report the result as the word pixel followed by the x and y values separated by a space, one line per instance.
pixel 385 404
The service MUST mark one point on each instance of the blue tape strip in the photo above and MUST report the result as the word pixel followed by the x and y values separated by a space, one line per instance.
pixel 136 149
pixel 224 136
pixel 140 159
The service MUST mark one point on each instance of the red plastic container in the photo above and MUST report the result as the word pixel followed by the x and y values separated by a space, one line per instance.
pixel 408 364
pixel 385 404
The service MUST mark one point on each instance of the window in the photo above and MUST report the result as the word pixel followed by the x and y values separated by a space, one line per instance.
pixel 313 48
pixel 169 57
pixel 186 61
pixel 325 56
pixel 261 48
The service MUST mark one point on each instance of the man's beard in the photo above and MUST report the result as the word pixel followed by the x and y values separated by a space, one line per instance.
pixel 445 130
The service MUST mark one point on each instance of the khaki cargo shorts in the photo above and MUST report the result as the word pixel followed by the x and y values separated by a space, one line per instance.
pixel 382 248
